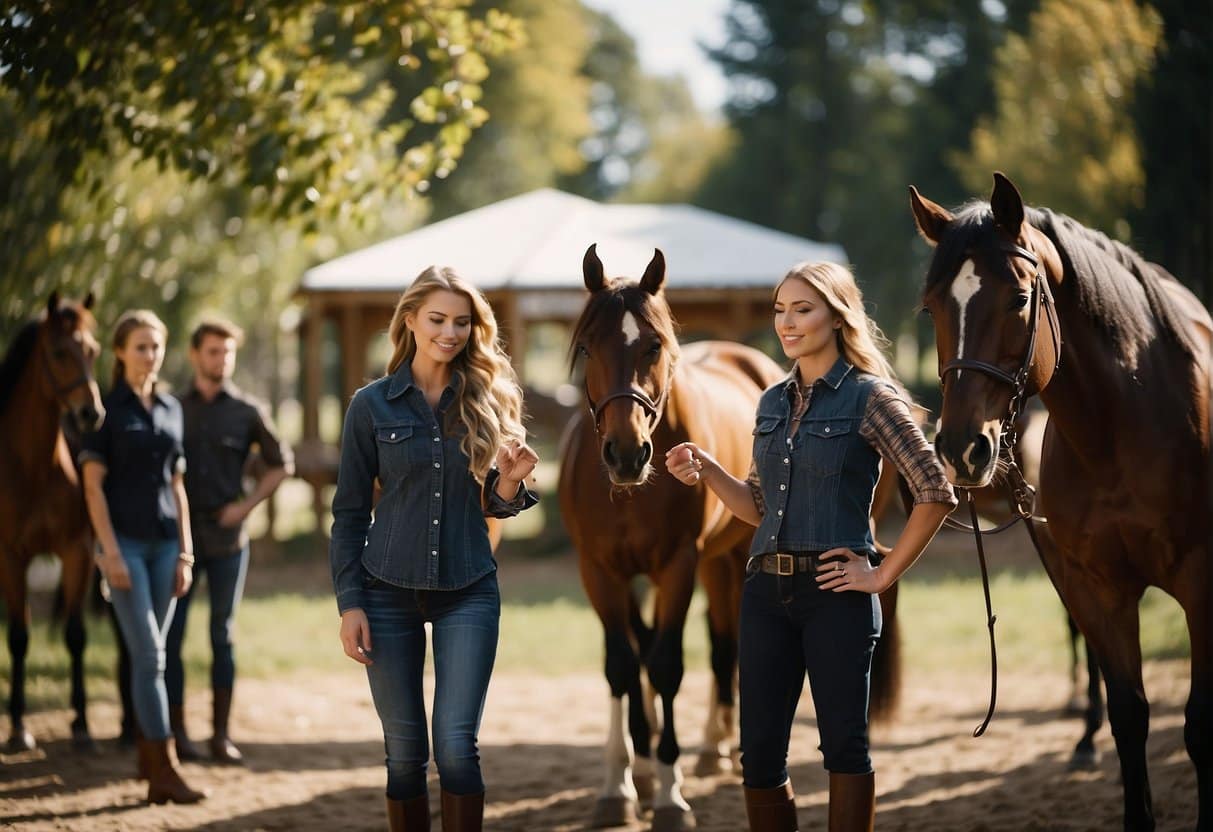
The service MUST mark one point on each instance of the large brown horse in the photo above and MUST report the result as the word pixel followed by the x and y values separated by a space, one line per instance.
pixel 46 374
pixel 646 395
pixel 1026 301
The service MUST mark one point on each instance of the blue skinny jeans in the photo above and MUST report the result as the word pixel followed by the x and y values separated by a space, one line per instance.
pixel 464 623
pixel 144 612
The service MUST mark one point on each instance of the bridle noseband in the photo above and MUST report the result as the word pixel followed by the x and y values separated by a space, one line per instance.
pixel 61 390
pixel 652 408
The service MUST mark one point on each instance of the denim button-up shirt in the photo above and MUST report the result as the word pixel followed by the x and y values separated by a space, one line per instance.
pixel 428 530
pixel 817 483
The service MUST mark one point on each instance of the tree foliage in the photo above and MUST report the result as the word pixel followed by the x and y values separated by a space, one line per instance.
pixel 281 104
pixel 1063 129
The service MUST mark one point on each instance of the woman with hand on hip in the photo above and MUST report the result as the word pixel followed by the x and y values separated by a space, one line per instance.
pixel 133 470
pixel 442 435
pixel 809 602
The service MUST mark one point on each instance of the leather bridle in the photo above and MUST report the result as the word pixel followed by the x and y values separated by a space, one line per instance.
pixel 652 407
pixel 1022 493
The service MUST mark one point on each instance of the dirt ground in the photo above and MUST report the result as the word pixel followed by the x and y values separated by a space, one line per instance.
pixel 315 762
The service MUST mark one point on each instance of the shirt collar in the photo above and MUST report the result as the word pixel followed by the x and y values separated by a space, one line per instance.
pixel 402 380
pixel 227 388
pixel 833 378
pixel 124 392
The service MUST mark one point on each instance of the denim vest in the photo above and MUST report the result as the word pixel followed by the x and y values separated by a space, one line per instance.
pixel 429 530
pixel 817 484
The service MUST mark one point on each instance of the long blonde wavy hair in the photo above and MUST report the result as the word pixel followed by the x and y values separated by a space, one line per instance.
pixel 859 338
pixel 488 402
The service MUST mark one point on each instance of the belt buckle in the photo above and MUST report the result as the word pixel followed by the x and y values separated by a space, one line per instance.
pixel 780 560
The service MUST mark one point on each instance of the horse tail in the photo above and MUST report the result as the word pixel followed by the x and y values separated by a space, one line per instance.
pixel 885 689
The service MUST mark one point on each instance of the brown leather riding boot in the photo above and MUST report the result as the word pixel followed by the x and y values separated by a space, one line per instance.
pixel 164 783
pixel 852 802
pixel 462 812
pixel 223 750
pixel 409 815
pixel 771 810
pixel 186 750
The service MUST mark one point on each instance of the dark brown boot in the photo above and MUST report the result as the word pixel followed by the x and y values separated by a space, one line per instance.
pixel 852 802
pixel 164 783
pixel 771 810
pixel 186 750
pixel 223 750
pixel 462 812
pixel 409 815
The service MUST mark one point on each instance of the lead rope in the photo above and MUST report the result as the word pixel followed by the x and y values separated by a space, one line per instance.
pixel 990 617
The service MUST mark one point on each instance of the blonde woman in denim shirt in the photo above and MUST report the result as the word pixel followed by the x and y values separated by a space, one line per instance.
pixel 809 602
pixel 442 436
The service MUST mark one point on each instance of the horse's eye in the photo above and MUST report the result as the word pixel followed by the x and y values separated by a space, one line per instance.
pixel 59 354
pixel 1020 301
pixel 922 310
pixel 654 350
pixel 582 351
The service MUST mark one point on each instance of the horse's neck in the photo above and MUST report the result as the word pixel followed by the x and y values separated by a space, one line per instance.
pixel 29 425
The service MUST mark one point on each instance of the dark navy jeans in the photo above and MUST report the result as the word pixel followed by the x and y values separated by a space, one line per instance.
pixel 225 586
pixel 464 623
pixel 789 626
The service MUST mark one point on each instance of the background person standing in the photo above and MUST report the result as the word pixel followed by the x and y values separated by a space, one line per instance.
pixel 223 425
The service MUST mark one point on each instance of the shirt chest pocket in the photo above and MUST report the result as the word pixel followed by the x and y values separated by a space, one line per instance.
pixel 398 451
pixel 823 450
pixel 767 434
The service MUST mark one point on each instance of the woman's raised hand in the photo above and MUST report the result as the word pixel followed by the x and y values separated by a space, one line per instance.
pixel 516 461
pixel 685 461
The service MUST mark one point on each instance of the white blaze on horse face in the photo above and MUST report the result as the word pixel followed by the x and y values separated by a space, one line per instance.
pixel 964 287
pixel 618 781
pixel 631 329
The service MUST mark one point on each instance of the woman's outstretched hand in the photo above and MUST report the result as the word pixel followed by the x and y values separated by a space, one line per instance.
pixel 686 461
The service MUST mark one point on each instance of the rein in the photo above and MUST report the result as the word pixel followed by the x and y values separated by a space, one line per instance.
pixel 1022 493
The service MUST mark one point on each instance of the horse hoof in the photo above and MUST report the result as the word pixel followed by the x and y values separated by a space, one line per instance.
pixel 21 740
pixel 672 819
pixel 711 764
pixel 82 741
pixel 613 811
pixel 1084 760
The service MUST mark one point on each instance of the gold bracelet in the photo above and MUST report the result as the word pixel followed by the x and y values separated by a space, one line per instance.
pixel 187 558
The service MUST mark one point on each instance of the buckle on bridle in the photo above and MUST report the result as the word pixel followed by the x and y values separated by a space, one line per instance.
pixel 780 560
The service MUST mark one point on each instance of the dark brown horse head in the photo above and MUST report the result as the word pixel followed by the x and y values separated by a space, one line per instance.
pixel 989 294
pixel 626 337
pixel 65 351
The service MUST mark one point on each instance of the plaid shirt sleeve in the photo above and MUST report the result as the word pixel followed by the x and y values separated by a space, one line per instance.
pixel 889 427
pixel 756 489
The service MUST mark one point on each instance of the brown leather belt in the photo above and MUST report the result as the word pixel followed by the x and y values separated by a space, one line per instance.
pixel 781 564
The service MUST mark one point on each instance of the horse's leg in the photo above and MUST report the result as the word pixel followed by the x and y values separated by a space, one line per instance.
pixel 642 712
pixel 17 605
pixel 617 803
pixel 77 568
pixel 1085 755
pixel 675 585
pixel 1109 618
pixel 1074 705
pixel 1194 591
pixel 885 685
pixel 721 578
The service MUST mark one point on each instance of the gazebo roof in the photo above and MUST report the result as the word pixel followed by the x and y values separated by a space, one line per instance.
pixel 536 241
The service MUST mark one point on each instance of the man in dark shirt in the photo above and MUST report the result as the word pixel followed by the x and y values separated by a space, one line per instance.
pixel 222 426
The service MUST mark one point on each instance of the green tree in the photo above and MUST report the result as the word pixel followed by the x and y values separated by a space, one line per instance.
pixel 1070 81
pixel 272 100
pixel 1174 119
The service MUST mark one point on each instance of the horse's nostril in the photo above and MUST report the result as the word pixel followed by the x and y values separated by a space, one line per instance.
pixel 646 453
pixel 608 452
pixel 980 456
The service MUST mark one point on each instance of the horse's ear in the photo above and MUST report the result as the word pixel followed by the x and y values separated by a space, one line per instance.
pixel 591 269
pixel 52 303
pixel 932 219
pixel 654 273
pixel 89 300
pixel 1007 205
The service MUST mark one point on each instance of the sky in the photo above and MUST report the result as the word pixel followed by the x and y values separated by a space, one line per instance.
pixel 666 32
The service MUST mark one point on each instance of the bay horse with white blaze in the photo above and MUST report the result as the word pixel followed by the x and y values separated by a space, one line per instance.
pixel 46 374
pixel 1028 301
pixel 625 520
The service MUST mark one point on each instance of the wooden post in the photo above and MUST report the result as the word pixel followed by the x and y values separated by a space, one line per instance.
pixel 313 370
pixel 353 350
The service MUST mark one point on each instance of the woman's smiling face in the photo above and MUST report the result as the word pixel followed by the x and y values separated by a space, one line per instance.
pixel 803 320
pixel 442 325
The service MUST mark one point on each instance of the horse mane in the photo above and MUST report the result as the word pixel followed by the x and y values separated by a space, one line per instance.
pixel 1117 289
pixel 15 359
pixel 607 306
